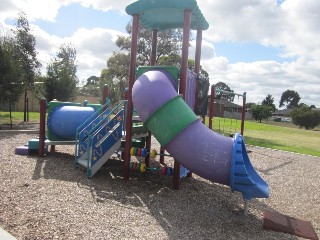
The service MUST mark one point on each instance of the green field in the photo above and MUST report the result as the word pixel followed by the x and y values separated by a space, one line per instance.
pixel 17 117
pixel 282 136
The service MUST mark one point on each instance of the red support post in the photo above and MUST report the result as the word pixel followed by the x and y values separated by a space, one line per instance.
pixel 153 59
pixel 185 53
pixel 183 81
pixel 243 115
pixel 133 62
pixel 211 105
pixel 105 94
pixel 161 155
pixel 197 66
pixel 42 130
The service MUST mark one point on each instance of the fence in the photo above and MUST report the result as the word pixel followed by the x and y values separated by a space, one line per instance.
pixel 33 103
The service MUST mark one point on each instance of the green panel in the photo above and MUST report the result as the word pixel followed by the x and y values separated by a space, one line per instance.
pixel 167 14
pixel 174 71
pixel 170 119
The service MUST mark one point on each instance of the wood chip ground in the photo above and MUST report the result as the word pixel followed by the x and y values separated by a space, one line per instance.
pixel 48 198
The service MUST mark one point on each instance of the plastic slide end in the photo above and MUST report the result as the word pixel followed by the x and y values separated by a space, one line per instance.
pixel 243 177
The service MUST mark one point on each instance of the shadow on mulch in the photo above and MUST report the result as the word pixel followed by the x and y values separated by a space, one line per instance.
pixel 198 203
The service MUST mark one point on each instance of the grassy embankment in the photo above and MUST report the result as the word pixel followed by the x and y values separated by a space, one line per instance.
pixel 282 136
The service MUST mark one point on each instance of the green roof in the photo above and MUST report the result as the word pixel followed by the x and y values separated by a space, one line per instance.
pixel 167 14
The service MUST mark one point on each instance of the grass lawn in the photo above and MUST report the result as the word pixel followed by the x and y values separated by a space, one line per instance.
pixel 17 117
pixel 282 136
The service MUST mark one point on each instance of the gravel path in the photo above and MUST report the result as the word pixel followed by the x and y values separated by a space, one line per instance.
pixel 47 198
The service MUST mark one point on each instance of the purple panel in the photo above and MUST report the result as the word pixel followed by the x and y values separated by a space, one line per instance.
pixel 191 89
pixel 204 152
pixel 201 150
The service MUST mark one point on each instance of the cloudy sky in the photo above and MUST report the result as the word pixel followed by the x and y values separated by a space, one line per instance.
pixel 259 47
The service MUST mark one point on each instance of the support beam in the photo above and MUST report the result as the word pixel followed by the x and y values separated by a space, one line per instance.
pixel 133 61
pixel 185 53
pixel 105 94
pixel 243 115
pixel 211 106
pixel 183 81
pixel 153 59
pixel 197 63
pixel 42 130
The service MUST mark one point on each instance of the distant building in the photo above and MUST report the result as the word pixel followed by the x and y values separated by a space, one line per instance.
pixel 282 115
pixel 33 103
pixel 224 108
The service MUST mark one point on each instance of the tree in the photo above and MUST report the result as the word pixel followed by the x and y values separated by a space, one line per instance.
pixel 173 59
pixel 10 80
pixel 249 105
pixel 268 101
pixel 26 54
pixel 305 117
pixel 260 112
pixel 10 74
pixel 116 73
pixel 224 96
pixel 61 80
pixel 169 42
pixel 114 91
pixel 117 70
pixel 290 99
pixel 92 87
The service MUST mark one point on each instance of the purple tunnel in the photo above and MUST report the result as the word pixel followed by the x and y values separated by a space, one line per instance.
pixel 210 155
pixel 199 149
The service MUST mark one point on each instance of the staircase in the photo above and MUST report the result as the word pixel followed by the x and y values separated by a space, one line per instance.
pixel 98 139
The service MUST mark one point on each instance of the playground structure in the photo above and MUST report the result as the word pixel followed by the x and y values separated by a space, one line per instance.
pixel 211 109
pixel 164 97
pixel 165 113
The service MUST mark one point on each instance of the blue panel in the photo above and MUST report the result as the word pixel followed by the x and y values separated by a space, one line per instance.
pixel 105 137
pixel 88 129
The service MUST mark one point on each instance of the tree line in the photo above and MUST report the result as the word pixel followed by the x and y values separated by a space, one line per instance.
pixel 302 115
pixel 20 67
pixel 20 71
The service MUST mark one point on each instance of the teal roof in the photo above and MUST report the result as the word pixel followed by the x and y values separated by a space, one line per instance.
pixel 167 14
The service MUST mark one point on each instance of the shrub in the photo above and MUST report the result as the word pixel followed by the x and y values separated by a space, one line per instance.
pixel 305 117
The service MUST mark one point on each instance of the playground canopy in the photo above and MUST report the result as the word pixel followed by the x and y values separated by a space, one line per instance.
pixel 167 14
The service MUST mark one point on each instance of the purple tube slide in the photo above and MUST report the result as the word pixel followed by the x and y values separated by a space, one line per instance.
pixel 204 152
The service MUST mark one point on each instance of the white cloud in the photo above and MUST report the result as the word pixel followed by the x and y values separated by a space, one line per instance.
pixel 93 47
pixel 291 26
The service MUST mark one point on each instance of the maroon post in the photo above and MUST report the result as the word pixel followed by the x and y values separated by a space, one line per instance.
pixel 133 61
pixel 185 52
pixel 153 59
pixel 197 66
pixel 42 130
pixel 243 115
pixel 161 155
pixel 211 105
pixel 183 81
pixel 105 94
